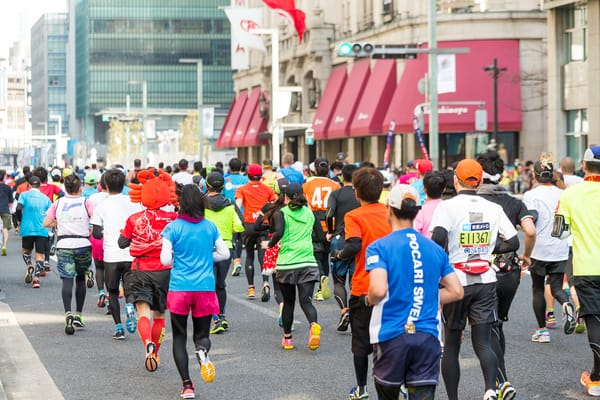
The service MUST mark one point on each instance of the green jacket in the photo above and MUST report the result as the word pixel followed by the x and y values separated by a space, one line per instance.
pixel 296 247
pixel 221 212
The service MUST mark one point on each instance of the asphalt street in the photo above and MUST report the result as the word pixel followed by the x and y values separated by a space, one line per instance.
pixel 37 359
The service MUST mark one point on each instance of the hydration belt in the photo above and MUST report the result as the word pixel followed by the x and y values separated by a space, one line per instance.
pixel 474 267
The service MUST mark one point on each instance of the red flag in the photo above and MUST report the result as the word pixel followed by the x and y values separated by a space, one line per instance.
pixel 288 7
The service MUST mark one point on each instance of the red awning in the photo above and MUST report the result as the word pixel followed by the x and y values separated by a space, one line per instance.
pixel 238 138
pixel 232 120
pixel 373 104
pixel 472 84
pixel 329 100
pixel 257 125
pixel 339 127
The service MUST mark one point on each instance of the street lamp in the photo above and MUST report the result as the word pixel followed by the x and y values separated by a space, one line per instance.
pixel 494 71
pixel 144 84
pixel 200 94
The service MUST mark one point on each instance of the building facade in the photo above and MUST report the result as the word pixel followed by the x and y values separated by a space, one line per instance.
pixel 49 74
pixel 349 107
pixel 121 44
pixel 573 76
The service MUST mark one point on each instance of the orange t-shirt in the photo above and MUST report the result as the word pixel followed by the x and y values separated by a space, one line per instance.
pixel 369 223
pixel 254 196
pixel 317 190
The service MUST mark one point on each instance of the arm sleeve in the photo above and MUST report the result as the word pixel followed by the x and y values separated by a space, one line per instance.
pixel 259 224
pixel 278 226
pixel 166 253
pixel 97 231
pixel 506 245
pixel 238 226
pixel 123 242
pixel 351 248
pixel 332 205
pixel 221 252
pixel 440 236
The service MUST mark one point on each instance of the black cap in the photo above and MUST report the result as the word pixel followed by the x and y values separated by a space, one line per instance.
pixel 321 162
pixel 215 180
pixel 293 190
pixel 341 156
pixel 35 181
pixel 282 184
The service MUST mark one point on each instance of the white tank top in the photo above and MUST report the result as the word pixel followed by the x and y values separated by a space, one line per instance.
pixel 73 228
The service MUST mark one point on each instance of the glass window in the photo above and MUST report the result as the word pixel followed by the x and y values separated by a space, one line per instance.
pixel 576 32
pixel 577 130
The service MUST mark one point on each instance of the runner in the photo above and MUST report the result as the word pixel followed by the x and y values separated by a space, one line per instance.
pixel 188 244
pixel 221 212
pixel 31 209
pixel 269 177
pixel 6 200
pixel 434 184
pixel 98 247
pixel 363 225
pixel 406 271
pixel 149 278
pixel 288 171
pixel 550 255
pixel 578 214
pixel 468 226
pixel 53 192
pixel 317 191
pixel 70 216
pixel 233 181
pixel 297 268
pixel 251 198
pixel 107 221
pixel 340 203
pixel 90 185
pixel 423 167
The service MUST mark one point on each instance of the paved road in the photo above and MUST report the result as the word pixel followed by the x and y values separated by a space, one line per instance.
pixel 37 360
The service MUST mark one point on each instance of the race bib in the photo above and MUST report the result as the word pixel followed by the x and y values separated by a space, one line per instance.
pixel 475 238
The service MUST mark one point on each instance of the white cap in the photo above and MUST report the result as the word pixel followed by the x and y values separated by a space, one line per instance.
pixel 401 192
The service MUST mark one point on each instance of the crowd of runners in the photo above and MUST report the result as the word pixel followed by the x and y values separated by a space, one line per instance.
pixel 410 257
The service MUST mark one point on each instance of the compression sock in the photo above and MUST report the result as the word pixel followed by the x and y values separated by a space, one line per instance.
pixel 27 259
pixel 39 267
pixel 144 329
pixel 158 332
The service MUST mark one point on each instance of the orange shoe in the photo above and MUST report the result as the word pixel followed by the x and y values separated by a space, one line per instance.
pixel 152 360
pixel 207 368
pixel 315 336
pixel 251 293
pixel 592 387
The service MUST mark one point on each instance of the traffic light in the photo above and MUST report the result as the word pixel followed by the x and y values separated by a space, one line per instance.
pixel 309 136
pixel 355 49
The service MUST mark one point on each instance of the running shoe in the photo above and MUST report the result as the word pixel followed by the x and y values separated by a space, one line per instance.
pixel 69 329
pixel 356 394
pixel 237 267
pixel 251 293
pixel 580 325
pixel 314 339
pixel 108 309
pixel 217 327
pixel 131 321
pixel 541 336
pixel 287 343
pixel 342 325
pixel 325 290
pixel 152 360
pixel 119 332
pixel 90 279
pixel 265 292
pixel 36 283
pixel 506 391
pixel 101 299
pixel 280 317
pixel 490 395
pixel 207 368
pixel 29 275
pixel 46 266
pixel 78 321
pixel 569 317
pixel 43 273
pixel 188 391
pixel 224 322
pixel 319 295
pixel 4 251
pixel 592 387
pixel 550 319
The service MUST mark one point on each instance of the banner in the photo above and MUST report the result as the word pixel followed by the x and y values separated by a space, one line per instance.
pixel 388 145
pixel 295 15
pixel 243 19
pixel 446 81
pixel 208 121
pixel 419 136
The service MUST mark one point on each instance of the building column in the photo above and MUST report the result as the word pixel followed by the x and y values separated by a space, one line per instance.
pixel 556 144
pixel 593 73
pixel 374 152
pixel 351 150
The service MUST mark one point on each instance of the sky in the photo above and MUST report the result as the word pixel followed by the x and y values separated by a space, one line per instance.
pixel 18 16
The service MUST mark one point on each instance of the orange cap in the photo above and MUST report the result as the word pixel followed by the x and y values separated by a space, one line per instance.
pixel 469 171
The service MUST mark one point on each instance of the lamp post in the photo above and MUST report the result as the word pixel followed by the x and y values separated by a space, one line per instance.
pixel 44 158
pixel 494 71
pixel 144 84
pixel 200 95
pixel 58 136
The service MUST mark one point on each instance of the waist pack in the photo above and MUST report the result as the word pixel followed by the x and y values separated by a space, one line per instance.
pixel 474 267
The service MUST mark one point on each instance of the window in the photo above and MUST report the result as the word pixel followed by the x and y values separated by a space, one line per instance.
pixel 577 130
pixel 576 33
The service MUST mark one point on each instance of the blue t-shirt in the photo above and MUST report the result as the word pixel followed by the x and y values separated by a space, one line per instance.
pixel 292 175
pixel 232 183
pixel 414 265
pixel 193 245
pixel 35 204
pixel 418 184
pixel 88 191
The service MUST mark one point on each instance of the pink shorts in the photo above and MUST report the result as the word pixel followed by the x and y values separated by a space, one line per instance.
pixel 200 304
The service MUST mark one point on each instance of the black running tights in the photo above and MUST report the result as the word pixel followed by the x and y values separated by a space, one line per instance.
pixel 498 342
pixel 339 289
pixel 323 261
pixel 539 302
pixel 414 392
pixel 249 268
pixel 221 268
pixel 305 292
pixel 67 293
pixel 480 338
pixel 201 327
pixel 592 323
pixel 99 264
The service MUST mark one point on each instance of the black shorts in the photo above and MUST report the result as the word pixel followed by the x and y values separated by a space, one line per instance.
pixel 506 289
pixel 543 268
pixel 40 242
pixel 150 287
pixel 114 272
pixel 588 292
pixel 479 304
pixel 411 359
pixel 360 316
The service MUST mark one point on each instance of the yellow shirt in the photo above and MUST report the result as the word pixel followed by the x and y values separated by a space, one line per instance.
pixel 580 206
